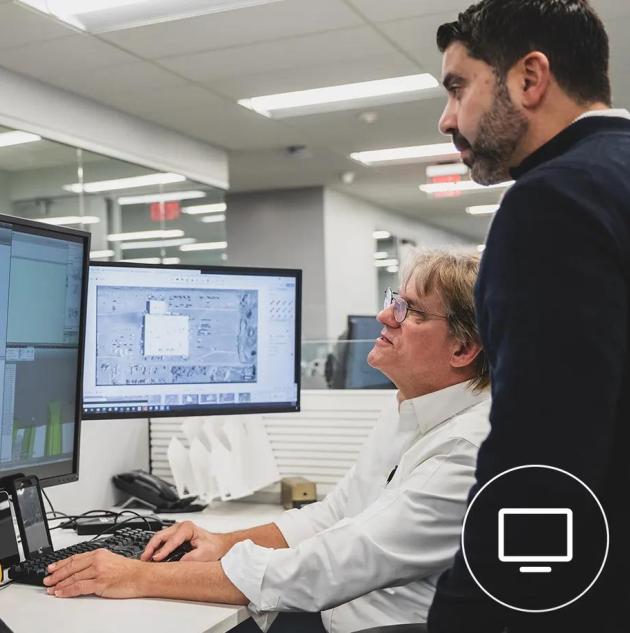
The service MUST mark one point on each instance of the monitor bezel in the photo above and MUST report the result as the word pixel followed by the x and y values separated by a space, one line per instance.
pixel 84 237
pixel 237 408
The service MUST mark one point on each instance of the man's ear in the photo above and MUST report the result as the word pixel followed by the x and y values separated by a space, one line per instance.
pixel 530 78
pixel 464 353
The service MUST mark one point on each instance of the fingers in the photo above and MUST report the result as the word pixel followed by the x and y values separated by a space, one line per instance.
pixel 65 568
pixel 194 555
pixel 88 573
pixel 80 588
pixel 164 542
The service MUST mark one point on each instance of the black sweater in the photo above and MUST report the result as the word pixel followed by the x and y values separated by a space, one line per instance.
pixel 553 303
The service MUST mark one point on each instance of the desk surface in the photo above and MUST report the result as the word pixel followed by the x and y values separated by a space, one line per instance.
pixel 28 609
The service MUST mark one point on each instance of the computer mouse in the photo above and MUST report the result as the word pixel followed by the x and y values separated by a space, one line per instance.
pixel 178 552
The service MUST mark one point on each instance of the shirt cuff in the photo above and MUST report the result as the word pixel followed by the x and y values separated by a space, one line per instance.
pixel 245 566
pixel 295 527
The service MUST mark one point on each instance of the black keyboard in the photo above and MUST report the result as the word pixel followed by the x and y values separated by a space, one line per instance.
pixel 128 542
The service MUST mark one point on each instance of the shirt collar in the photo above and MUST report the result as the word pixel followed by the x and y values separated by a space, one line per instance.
pixel 622 113
pixel 432 409
pixel 585 125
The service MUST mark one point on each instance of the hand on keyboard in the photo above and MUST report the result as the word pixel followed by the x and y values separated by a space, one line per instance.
pixel 203 546
pixel 100 572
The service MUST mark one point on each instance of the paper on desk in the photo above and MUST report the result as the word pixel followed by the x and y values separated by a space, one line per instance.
pixel 226 464
pixel 259 462
pixel 180 467
pixel 201 464
pixel 191 428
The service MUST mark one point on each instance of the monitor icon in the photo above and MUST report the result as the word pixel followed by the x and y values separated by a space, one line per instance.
pixel 535 535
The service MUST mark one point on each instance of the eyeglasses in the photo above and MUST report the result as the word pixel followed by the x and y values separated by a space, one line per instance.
pixel 402 309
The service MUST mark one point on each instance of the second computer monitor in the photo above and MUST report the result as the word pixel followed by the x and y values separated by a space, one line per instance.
pixel 181 340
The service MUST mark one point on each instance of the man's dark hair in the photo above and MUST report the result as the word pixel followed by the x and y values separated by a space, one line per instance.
pixel 568 32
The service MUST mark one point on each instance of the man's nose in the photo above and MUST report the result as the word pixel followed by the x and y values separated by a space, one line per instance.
pixel 386 317
pixel 448 121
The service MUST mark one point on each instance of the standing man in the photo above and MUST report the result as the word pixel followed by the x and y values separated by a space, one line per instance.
pixel 529 99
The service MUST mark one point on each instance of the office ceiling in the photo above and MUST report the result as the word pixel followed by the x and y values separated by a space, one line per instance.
pixel 188 74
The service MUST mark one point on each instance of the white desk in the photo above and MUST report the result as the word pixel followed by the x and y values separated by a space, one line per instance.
pixel 29 609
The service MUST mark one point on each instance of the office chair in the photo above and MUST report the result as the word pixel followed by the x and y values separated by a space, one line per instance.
pixel 397 628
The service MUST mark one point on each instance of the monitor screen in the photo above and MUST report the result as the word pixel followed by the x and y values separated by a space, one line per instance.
pixel 43 274
pixel 362 333
pixel 183 341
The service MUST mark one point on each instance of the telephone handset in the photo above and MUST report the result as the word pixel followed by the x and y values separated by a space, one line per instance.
pixel 155 492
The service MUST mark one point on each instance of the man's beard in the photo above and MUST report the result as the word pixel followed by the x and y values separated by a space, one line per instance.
pixel 500 131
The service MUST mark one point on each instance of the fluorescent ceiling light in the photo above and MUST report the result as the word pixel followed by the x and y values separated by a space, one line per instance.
pixel 204 246
pixel 68 220
pixel 200 209
pixel 98 16
pixel 171 260
pixel 381 235
pixel 210 219
pixel 343 97
pixel 161 197
pixel 17 138
pixel 483 209
pixel 145 260
pixel 101 254
pixel 130 246
pixel 381 255
pixel 145 235
pixel 462 185
pixel 452 169
pixel 413 154
pixel 386 263
pixel 125 183
pixel 392 269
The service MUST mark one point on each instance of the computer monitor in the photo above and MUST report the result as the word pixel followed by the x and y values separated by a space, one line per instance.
pixel 43 288
pixel 354 371
pixel 187 341
pixel 535 535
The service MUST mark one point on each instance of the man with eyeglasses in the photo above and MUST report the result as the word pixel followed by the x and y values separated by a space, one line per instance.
pixel 371 552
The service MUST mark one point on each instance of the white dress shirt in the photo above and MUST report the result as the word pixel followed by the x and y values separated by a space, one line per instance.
pixel 370 553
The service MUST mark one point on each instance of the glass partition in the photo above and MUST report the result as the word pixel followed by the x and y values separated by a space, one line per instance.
pixel 133 212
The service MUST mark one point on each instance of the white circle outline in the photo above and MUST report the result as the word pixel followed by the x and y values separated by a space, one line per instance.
pixel 505 604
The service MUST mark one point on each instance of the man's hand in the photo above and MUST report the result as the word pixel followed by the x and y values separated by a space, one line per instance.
pixel 99 572
pixel 207 547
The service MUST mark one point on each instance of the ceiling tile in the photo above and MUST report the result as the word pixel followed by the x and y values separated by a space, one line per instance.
pixel 288 80
pixel 136 77
pixel 236 28
pixel 380 11
pixel 227 125
pixel 61 57
pixel 300 52
pixel 416 36
pixel 398 125
pixel 19 26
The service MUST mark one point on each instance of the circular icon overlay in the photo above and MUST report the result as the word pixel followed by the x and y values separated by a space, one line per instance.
pixel 535 538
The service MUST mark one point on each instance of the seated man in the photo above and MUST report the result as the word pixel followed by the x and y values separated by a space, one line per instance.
pixel 371 552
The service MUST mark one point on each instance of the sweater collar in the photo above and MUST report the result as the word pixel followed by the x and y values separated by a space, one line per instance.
pixel 582 128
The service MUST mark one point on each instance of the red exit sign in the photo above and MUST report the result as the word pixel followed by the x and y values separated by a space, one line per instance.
pixel 170 210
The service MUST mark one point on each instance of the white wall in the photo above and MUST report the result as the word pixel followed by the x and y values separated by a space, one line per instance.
pixel 351 277
pixel 34 106
pixel 108 447
pixel 284 229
